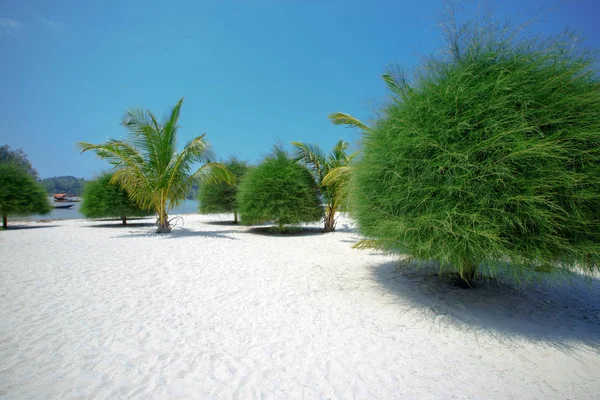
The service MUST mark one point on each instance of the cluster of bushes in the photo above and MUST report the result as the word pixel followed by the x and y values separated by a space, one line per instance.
pixel 283 189
pixel 488 157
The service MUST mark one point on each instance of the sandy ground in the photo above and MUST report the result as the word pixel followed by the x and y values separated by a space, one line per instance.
pixel 94 310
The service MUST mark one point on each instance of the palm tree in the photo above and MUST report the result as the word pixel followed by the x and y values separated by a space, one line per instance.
pixel 148 166
pixel 339 177
pixel 321 165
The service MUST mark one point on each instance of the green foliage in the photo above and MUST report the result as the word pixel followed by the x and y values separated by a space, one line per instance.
pixel 490 158
pixel 20 193
pixel 321 165
pixel 64 184
pixel 193 193
pixel 279 190
pixel 18 157
pixel 101 198
pixel 217 197
pixel 149 167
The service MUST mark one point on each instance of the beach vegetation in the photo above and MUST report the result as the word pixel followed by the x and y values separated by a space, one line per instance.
pixel 149 166
pixel 221 197
pixel 19 157
pixel 487 158
pixel 321 164
pixel 20 193
pixel 281 191
pixel 103 198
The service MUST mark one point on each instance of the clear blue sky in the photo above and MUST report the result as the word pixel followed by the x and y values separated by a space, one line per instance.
pixel 251 72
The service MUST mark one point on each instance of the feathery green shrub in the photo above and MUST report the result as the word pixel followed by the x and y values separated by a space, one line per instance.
pixel 218 197
pixel 489 158
pixel 103 199
pixel 279 190
pixel 20 193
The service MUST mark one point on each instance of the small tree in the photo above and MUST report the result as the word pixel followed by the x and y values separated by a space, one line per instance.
pixel 102 199
pixel 489 158
pixel 18 157
pixel 218 197
pixel 321 164
pixel 279 190
pixel 150 168
pixel 20 193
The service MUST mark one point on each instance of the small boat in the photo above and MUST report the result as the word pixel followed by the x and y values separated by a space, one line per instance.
pixel 64 206
pixel 62 197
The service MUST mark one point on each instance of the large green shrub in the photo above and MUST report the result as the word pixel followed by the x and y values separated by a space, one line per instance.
pixel 489 158
pixel 281 191
pixel 20 193
pixel 103 199
pixel 218 197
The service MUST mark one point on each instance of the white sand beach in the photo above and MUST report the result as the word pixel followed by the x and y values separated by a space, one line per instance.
pixel 95 310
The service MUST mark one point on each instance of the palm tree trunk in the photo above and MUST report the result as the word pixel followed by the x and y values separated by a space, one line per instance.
pixel 329 218
pixel 163 218
pixel 5 221
pixel 124 220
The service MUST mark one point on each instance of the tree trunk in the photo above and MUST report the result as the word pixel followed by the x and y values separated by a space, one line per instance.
pixel 329 219
pixel 467 273
pixel 5 221
pixel 163 218
pixel 235 217
pixel 124 219
pixel 163 225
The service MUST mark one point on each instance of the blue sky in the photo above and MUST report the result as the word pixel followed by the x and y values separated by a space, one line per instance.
pixel 252 72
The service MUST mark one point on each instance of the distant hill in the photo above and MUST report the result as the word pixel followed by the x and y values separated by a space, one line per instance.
pixel 64 184
pixel 74 186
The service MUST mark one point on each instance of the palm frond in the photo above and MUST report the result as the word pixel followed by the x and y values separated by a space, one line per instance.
pixel 170 127
pixel 116 152
pixel 395 80
pixel 339 118
pixel 338 179
pixel 214 173
pixel 338 155
pixel 135 182
pixel 311 156
pixel 180 165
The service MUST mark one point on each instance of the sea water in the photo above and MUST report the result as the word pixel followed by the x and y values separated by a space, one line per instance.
pixel 186 207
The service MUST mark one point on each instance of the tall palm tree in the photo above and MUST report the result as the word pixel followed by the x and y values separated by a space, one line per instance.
pixel 321 165
pixel 149 167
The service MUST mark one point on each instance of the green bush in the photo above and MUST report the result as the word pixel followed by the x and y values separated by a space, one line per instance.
pixel 490 159
pixel 281 191
pixel 102 199
pixel 219 197
pixel 20 193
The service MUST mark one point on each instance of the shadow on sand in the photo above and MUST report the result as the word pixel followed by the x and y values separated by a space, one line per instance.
pixel 293 231
pixel 560 315
pixel 223 223
pixel 179 233
pixel 19 227
pixel 118 224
